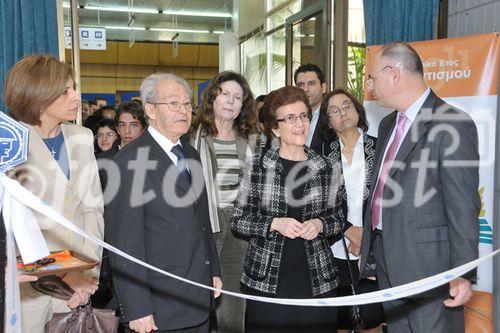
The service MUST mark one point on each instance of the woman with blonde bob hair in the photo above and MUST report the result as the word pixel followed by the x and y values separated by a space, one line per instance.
pixel 61 169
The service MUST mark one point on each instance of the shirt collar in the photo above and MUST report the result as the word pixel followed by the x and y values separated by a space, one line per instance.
pixel 412 111
pixel 359 142
pixel 162 140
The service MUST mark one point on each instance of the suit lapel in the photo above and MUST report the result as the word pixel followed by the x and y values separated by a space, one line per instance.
pixel 165 164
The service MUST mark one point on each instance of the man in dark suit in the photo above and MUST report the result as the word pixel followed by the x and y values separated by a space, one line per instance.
pixel 160 215
pixel 424 195
pixel 310 78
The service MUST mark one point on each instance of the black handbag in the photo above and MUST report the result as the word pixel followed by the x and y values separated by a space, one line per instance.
pixel 355 320
pixel 357 317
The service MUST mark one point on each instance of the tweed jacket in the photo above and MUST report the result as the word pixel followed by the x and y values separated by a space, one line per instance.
pixel 262 197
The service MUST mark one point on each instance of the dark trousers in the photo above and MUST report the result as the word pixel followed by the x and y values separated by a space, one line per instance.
pixel 415 315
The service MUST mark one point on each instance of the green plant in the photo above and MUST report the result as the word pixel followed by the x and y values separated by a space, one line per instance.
pixel 356 71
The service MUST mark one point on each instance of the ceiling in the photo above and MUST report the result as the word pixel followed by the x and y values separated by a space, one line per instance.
pixel 206 23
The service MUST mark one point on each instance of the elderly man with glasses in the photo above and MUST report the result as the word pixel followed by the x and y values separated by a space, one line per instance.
pixel 160 216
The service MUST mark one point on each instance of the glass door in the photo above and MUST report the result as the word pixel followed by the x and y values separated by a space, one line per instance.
pixel 308 39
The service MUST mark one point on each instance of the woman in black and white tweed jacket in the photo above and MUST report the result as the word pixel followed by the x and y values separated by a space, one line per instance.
pixel 285 208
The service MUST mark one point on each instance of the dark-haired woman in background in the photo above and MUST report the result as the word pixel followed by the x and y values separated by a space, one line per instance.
pixel 224 133
pixel 106 135
pixel 343 126
pixel 284 208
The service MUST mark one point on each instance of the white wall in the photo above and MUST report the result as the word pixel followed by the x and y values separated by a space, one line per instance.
pixel 469 17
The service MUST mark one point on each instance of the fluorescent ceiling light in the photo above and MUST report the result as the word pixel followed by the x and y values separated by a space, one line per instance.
pixel 122 9
pixel 218 32
pixel 202 14
pixel 114 27
pixel 192 31
pixel 181 30
pixel 152 11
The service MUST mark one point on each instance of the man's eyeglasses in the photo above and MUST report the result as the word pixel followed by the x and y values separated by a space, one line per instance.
pixel 372 77
pixel 290 119
pixel 176 106
pixel 109 135
pixel 334 111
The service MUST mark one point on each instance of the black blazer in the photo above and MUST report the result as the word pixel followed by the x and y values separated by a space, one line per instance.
pixel 144 221
pixel 317 139
pixel 333 151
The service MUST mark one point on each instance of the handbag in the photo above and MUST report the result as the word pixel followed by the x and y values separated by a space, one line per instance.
pixel 365 316
pixel 355 319
pixel 82 319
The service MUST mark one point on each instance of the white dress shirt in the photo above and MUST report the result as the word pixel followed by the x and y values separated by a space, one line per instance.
pixel 312 126
pixel 164 143
pixel 354 180
pixel 411 114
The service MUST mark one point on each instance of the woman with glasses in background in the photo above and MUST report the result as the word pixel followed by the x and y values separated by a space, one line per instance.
pixel 106 135
pixel 284 208
pixel 224 133
pixel 343 126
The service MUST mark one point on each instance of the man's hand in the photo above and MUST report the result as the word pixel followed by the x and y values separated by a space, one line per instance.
pixel 311 229
pixel 217 285
pixel 143 325
pixel 354 235
pixel 460 292
pixel 287 226
pixel 26 278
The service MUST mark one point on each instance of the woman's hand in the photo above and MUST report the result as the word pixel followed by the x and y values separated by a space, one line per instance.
pixel 287 226
pixel 311 229
pixel 354 235
pixel 26 278
pixel 84 285
pixel 353 249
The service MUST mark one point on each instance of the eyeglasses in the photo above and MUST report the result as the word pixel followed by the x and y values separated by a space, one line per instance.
pixel 372 77
pixel 334 111
pixel 175 106
pixel 290 119
pixel 109 135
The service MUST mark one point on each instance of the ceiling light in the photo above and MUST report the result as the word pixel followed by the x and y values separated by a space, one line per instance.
pixel 122 9
pixel 202 14
pixel 114 27
pixel 181 30
pixel 152 11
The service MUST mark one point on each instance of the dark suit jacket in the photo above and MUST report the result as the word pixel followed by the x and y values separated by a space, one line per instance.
pixel 144 221
pixel 317 140
pixel 433 227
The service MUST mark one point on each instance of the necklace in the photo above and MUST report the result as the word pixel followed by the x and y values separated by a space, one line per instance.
pixel 52 143
pixel 348 150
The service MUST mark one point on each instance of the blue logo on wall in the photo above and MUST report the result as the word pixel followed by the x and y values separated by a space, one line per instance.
pixel 13 143
pixel 485 232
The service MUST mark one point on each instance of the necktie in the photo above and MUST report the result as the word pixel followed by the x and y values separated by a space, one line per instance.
pixel 178 151
pixel 384 172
